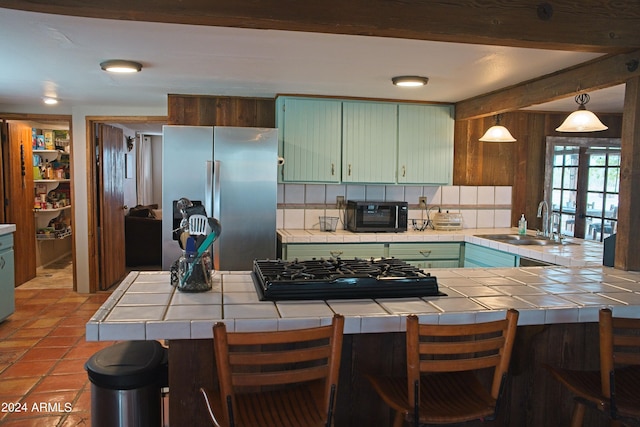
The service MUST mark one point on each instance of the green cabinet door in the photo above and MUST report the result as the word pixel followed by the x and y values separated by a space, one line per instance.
pixel 480 256
pixel 310 139
pixel 369 138
pixel 427 254
pixel 425 144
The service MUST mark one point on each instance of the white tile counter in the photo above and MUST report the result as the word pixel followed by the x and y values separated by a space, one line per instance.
pixel 145 306
pixel 582 253
pixel 7 228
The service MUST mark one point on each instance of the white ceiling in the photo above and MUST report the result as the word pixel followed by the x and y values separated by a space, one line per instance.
pixel 51 55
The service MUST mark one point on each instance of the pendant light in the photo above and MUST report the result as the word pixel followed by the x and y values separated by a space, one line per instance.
pixel 497 133
pixel 581 120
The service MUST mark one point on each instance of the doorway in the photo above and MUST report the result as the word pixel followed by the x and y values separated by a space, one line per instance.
pixel 106 263
pixel 38 194
pixel 582 183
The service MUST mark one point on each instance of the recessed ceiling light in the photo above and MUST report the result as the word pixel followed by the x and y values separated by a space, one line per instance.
pixel 49 100
pixel 121 66
pixel 410 81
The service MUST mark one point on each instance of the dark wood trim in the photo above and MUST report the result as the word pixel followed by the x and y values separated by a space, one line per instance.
pixel 563 25
pixel 597 74
pixel 628 237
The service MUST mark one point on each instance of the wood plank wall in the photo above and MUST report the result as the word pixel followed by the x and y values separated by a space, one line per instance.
pixel 200 110
pixel 520 164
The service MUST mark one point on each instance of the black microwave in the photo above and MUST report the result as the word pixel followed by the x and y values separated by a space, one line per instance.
pixel 376 216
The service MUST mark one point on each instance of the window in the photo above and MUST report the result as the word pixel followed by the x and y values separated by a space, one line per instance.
pixel 583 185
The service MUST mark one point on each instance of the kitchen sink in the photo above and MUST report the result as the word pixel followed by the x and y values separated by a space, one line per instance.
pixel 517 239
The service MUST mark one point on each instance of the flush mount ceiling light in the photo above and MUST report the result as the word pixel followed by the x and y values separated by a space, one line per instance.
pixel 581 120
pixel 121 66
pixel 497 133
pixel 410 81
pixel 49 100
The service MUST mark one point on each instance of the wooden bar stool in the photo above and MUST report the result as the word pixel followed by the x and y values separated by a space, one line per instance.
pixel 278 379
pixel 441 385
pixel 615 388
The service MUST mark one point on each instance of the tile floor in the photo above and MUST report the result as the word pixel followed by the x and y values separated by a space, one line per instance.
pixel 42 353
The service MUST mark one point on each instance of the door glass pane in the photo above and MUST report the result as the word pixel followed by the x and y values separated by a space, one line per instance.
pixel 572 159
pixel 599 159
pixel 569 201
pixel 614 159
pixel 611 204
pixel 613 180
pixel 571 178
pixel 558 159
pixel 557 177
pixel 596 178
pixel 594 204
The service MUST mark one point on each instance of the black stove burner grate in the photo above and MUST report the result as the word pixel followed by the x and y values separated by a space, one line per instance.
pixel 337 278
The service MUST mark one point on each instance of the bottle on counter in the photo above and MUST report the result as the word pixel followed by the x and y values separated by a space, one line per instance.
pixel 522 226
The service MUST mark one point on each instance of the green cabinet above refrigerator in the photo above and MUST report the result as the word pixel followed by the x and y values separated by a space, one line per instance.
pixel 310 139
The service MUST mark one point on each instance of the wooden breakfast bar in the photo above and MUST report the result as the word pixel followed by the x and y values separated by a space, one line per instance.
pixel 558 308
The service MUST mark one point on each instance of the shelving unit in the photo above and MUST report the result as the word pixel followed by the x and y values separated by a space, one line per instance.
pixel 43 217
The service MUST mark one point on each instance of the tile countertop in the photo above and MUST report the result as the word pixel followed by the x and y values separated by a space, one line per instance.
pixel 7 228
pixel 145 306
pixel 583 253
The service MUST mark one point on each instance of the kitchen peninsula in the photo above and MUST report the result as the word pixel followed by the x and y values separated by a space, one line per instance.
pixel 558 309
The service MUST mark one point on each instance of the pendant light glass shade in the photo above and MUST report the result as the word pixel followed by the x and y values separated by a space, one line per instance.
pixel 497 133
pixel 581 120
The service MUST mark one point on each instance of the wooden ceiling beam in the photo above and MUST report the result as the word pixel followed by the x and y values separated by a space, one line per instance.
pixel 593 26
pixel 600 73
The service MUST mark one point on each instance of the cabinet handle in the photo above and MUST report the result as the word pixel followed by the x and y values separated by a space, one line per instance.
pixel 425 253
pixel 404 171
pixel 349 173
pixel 333 169
pixel 2 263
pixel 335 254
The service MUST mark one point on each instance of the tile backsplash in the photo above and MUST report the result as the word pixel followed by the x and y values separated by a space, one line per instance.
pixel 300 205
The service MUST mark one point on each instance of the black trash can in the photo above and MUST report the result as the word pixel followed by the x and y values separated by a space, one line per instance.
pixel 126 381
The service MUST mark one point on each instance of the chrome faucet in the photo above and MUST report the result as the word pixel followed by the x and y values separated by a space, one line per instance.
pixel 543 212
pixel 556 229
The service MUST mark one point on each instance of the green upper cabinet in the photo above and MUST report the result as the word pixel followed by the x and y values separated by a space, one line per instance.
pixel 310 139
pixel 369 142
pixel 351 141
pixel 425 144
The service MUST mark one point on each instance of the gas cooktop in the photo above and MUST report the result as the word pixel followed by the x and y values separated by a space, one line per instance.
pixel 337 278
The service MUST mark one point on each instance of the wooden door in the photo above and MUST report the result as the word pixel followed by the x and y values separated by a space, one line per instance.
pixel 18 197
pixel 111 204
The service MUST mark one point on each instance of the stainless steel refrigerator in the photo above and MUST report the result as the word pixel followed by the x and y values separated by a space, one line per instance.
pixel 232 172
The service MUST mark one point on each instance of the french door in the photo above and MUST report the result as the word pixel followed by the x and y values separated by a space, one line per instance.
pixel 583 176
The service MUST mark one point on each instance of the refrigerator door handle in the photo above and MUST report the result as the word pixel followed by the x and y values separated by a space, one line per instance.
pixel 208 190
pixel 216 188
